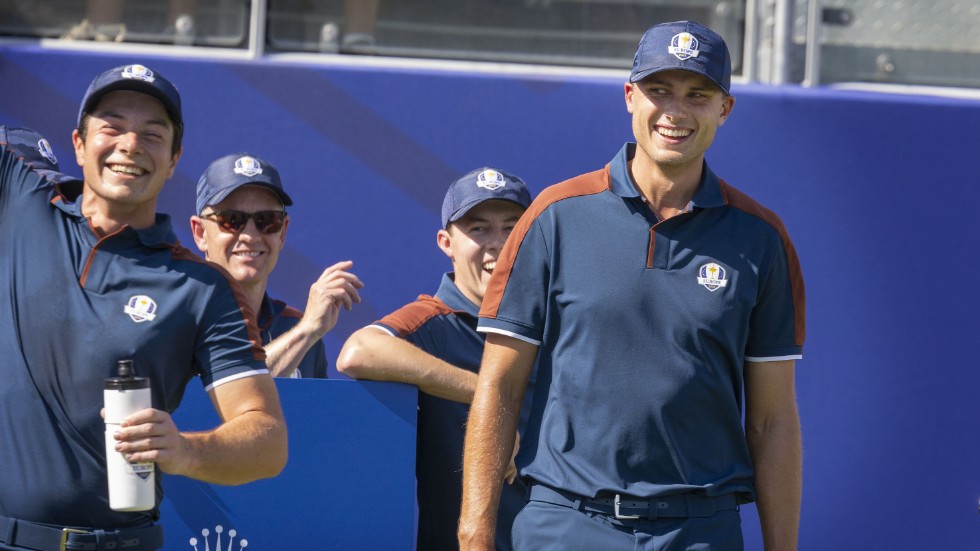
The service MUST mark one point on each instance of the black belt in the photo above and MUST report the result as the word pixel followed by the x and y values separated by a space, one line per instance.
pixel 45 537
pixel 625 507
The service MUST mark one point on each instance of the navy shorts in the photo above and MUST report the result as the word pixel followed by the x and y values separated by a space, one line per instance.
pixel 547 527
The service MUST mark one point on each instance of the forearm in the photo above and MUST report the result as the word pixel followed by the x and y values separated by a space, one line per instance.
pixel 284 354
pixel 490 436
pixel 249 447
pixel 372 354
pixel 777 456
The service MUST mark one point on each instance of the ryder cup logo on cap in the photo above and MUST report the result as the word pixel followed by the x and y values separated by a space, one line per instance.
pixel 248 166
pixel 684 45
pixel 135 78
pixel 225 175
pixel 138 72
pixel 477 186
pixel 490 179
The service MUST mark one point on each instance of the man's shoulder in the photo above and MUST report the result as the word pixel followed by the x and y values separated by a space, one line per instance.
pixel 737 199
pixel 414 315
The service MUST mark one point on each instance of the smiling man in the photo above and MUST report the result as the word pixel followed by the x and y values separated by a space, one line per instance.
pixel 241 226
pixel 433 343
pixel 650 295
pixel 99 277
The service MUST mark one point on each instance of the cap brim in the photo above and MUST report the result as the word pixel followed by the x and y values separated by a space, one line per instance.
pixel 135 86
pixel 224 193
pixel 640 75
pixel 461 212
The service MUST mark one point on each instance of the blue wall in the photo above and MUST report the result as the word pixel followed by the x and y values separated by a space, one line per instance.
pixel 877 191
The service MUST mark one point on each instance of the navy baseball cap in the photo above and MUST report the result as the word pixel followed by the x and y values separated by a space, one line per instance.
pixel 683 45
pixel 137 78
pixel 35 151
pixel 477 186
pixel 231 172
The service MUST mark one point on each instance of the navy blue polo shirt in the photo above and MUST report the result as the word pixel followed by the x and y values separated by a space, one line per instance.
pixel 445 327
pixel 275 318
pixel 72 305
pixel 644 327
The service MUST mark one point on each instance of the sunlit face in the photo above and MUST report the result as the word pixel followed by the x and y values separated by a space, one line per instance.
pixel 250 255
pixel 474 242
pixel 126 153
pixel 675 116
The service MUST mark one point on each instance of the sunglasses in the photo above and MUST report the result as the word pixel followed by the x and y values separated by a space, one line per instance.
pixel 234 221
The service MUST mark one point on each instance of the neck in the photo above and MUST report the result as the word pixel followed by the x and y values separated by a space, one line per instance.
pixel 667 189
pixel 253 296
pixel 107 217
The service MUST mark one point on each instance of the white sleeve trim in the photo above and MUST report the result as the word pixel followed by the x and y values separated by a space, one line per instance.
pixel 773 358
pixel 235 377
pixel 508 334
pixel 385 329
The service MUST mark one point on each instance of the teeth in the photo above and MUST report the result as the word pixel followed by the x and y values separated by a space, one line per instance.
pixel 674 132
pixel 134 170
pixel 250 254
pixel 489 266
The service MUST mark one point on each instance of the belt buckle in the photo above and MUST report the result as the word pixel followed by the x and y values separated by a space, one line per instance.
pixel 616 511
pixel 64 536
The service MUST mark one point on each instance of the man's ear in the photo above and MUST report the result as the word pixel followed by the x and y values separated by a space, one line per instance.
pixel 444 240
pixel 197 230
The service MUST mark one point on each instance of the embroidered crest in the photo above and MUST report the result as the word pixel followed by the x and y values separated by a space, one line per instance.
pixel 712 276
pixel 248 166
pixel 490 179
pixel 138 72
pixel 141 308
pixel 44 148
pixel 683 46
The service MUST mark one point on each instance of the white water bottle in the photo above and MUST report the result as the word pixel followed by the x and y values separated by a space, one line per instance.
pixel 132 486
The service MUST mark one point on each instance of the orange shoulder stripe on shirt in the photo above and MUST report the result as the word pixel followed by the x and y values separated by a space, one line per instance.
pixel 586 184
pixel 180 252
pixel 407 319
pixel 744 203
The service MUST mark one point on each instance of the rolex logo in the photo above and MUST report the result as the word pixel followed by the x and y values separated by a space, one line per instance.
pixel 205 533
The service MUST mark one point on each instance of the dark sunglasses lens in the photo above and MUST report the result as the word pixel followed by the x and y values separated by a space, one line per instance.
pixel 232 220
pixel 269 221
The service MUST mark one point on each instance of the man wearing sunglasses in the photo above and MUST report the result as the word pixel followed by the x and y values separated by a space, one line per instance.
pixel 433 343
pixel 88 279
pixel 241 226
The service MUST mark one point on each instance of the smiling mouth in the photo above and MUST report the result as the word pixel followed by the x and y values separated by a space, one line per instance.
pixel 674 132
pixel 489 266
pixel 246 254
pixel 125 169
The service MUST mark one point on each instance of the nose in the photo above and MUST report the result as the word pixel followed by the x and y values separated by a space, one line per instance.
pixel 497 239
pixel 129 142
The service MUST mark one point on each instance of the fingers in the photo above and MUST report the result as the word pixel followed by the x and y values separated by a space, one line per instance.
pixel 147 435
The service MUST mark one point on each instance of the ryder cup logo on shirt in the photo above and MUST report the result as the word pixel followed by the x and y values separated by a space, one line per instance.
pixel 712 276
pixel 490 179
pixel 141 308
pixel 248 166
pixel 683 46
pixel 44 148
pixel 138 72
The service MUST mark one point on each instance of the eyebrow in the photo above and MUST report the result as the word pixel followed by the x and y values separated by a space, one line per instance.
pixel 111 114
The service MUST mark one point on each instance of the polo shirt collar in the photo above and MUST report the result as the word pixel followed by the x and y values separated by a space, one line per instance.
pixel 452 297
pixel 158 236
pixel 621 182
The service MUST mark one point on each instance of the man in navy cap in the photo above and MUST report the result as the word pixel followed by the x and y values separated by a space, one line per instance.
pixel 433 343
pixel 93 278
pixel 241 225
pixel 652 296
